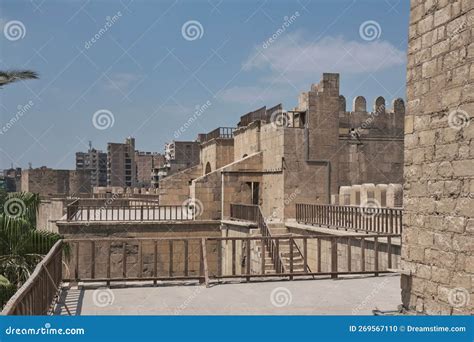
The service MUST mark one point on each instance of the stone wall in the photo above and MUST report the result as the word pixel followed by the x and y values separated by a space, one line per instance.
pixel 247 140
pixel 207 190
pixel 438 231
pixel 49 212
pixel 216 153
pixel 174 189
pixel 48 182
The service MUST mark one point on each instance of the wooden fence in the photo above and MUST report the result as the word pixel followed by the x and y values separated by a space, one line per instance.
pixel 366 219
pixel 77 212
pixel 204 259
pixel 39 292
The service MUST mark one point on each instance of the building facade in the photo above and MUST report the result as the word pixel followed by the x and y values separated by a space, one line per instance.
pixel 180 155
pixel 51 182
pixel 121 167
pixel 276 158
pixel 147 166
pixel 96 162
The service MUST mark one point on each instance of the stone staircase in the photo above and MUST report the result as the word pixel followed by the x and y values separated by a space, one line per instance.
pixel 279 230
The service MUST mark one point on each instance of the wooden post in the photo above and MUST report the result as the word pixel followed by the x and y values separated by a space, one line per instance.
pixel 389 252
pixel 76 267
pixel 186 258
pixel 349 256
pixel 305 254
pixel 140 258
pixel 233 257
pixel 263 255
pixel 319 254
pixel 376 252
pixel 291 258
pixel 362 254
pixel 219 257
pixel 204 258
pixel 124 260
pixel 155 261
pixel 334 257
pixel 171 258
pixel 247 258
pixel 109 252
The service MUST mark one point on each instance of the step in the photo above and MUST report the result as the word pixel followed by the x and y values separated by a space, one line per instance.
pixel 279 231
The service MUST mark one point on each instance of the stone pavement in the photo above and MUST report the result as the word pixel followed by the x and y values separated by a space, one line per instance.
pixel 345 296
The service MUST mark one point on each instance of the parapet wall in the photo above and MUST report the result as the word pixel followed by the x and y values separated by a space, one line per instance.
pixel 380 122
pixel 369 194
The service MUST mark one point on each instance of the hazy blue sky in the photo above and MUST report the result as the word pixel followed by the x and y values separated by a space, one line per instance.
pixel 150 73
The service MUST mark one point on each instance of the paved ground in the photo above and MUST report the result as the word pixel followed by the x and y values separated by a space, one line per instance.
pixel 349 296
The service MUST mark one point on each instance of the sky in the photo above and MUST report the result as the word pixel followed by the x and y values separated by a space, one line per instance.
pixel 168 70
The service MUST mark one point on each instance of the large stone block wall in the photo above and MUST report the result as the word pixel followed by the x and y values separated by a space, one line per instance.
pixel 247 140
pixel 174 189
pixel 303 182
pixel 438 231
pixel 374 161
pixel 47 182
pixel 271 144
pixel 218 153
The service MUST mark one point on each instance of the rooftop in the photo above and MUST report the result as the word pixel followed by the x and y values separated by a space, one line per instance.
pixel 344 296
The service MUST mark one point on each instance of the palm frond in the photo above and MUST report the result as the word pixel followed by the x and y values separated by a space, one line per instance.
pixel 11 76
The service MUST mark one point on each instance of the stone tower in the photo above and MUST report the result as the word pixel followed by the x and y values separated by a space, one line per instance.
pixel 438 231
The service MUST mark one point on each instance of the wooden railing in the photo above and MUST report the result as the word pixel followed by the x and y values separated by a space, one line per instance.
pixel 204 259
pixel 366 219
pixel 218 133
pixel 250 212
pixel 139 259
pixel 246 212
pixel 322 255
pixel 272 246
pixel 39 292
pixel 106 212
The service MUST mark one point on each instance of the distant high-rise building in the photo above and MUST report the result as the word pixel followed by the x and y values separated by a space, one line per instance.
pixel 146 164
pixel 96 162
pixel 180 155
pixel 12 179
pixel 121 167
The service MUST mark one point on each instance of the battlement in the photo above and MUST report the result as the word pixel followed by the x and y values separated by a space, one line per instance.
pixel 381 121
